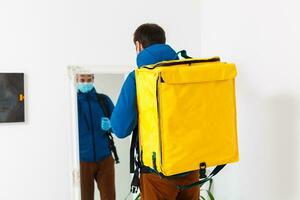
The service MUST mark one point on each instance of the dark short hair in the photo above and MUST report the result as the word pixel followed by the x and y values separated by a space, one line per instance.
pixel 148 34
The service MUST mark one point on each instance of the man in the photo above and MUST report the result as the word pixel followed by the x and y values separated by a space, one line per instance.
pixel 149 40
pixel 96 162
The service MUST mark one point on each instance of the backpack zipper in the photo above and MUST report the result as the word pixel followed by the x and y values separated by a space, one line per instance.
pixel 159 118
pixel 182 62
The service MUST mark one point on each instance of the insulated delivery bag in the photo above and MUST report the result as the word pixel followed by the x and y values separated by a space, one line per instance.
pixel 187 115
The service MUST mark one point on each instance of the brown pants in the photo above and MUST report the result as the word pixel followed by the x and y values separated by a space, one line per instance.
pixel 154 187
pixel 103 172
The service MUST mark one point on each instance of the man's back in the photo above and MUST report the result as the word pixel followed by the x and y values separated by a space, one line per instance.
pixel 150 45
pixel 124 116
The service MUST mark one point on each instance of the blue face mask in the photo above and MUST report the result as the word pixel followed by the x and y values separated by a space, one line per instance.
pixel 85 87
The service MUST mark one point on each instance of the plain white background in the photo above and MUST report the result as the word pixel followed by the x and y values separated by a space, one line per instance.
pixel 42 37
pixel 262 38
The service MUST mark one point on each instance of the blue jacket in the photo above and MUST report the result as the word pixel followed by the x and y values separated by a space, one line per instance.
pixel 124 116
pixel 93 141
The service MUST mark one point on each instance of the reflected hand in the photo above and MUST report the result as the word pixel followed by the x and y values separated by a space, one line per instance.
pixel 105 124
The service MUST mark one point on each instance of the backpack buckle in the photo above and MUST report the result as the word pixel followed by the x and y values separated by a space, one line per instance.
pixel 202 170
pixel 134 189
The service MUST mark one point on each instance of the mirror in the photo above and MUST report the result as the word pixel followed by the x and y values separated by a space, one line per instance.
pixel 92 164
pixel 110 85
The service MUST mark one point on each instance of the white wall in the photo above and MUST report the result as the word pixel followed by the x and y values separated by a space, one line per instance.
pixel 41 38
pixel 262 38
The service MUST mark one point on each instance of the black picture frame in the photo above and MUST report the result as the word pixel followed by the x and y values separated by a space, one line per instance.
pixel 12 108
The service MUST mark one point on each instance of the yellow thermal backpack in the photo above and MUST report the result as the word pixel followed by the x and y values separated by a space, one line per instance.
pixel 186 115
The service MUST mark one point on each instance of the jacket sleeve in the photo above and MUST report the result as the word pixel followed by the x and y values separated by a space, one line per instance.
pixel 124 116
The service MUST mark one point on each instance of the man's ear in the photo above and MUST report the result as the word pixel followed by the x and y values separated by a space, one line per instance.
pixel 138 47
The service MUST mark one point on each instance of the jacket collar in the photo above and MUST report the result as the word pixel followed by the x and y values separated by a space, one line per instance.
pixel 91 93
pixel 154 54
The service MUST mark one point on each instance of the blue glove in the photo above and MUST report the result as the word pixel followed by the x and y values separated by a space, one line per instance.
pixel 105 124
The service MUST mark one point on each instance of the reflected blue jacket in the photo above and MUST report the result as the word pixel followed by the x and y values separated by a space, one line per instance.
pixel 124 116
pixel 93 141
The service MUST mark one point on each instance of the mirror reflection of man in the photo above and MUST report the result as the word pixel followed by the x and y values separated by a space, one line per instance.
pixel 96 161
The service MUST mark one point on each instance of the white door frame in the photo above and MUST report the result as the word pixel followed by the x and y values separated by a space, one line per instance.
pixel 74 151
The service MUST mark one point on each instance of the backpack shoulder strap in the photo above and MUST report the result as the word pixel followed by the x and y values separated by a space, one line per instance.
pixel 103 103
pixel 133 149
pixel 135 165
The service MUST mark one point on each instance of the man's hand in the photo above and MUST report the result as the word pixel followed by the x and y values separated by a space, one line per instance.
pixel 105 124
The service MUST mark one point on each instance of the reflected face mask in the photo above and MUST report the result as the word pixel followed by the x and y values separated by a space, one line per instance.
pixel 85 87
